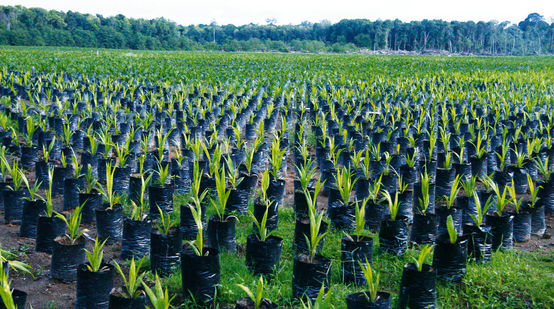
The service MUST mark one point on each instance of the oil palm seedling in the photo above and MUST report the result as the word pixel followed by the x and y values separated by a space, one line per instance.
pixel 68 250
pixel 311 270
pixel 131 293
pixel 255 298
pixel 94 279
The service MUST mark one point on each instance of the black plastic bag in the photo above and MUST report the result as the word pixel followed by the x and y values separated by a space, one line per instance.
pixel 362 188
pixel 406 200
pixel 467 205
pixel 393 236
pixel 501 230
pixel 520 181
pixel 503 179
pixel 445 180
pixel 200 275
pixel 442 215
pixel 479 245
pixel 135 184
pixel 29 156
pixel 262 257
pixel 418 207
pixel 353 252
pixel 538 221
pixel 93 288
pixel 72 187
pixel 522 226
pixel 13 205
pixel 29 218
pixel 90 202
pixel 58 180
pixel 164 251
pixel 276 191
pixel 161 197
pixel 48 228
pixel 417 289
pixel 301 204
pixel 424 229
pixel 308 276
pixel 121 180
pixel 135 242
pixel 449 259
pixel 342 215
pixel 221 234
pixel 374 214
pixel 117 301
pixel 109 223
pixel 41 173
pixel 65 259
pixel 272 222
pixel 238 201
pixel 302 230
pixel 187 225
pixel 479 166
pixel 361 300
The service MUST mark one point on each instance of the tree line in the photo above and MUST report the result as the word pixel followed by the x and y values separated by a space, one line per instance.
pixel 39 27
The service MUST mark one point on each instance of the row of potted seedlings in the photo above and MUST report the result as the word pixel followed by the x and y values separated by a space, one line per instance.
pixel 448 170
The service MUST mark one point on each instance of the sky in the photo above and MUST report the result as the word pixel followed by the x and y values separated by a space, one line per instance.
pixel 239 12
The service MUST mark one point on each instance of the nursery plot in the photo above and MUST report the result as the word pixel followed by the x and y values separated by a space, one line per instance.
pixel 273 180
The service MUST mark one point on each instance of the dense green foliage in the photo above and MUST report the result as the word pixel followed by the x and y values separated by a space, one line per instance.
pixel 38 27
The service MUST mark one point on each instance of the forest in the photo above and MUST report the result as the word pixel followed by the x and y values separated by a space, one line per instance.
pixel 39 27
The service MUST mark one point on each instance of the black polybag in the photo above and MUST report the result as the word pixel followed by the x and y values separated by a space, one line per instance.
pixel 13 205
pixel 109 224
pixel 479 245
pixel 262 257
pixel 424 229
pixel 355 250
pixel 417 289
pixel 501 230
pixel 117 301
pixel 342 215
pixel 29 218
pixel 222 234
pixel 302 230
pixel 538 220
pixel 65 260
pixel 450 259
pixel 135 242
pixel 442 215
pixel 272 222
pixel 48 228
pixel 522 226
pixel 93 288
pixel 309 276
pixel 200 275
pixel 393 236
pixel 164 251
pixel 361 300
pixel 72 187
pixel 89 202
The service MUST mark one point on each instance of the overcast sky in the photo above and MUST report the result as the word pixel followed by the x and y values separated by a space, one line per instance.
pixel 240 12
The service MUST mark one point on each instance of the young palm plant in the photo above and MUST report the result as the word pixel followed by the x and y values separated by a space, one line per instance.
pixel 159 298
pixel 132 283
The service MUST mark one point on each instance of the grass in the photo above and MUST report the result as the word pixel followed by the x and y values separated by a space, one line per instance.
pixel 512 279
